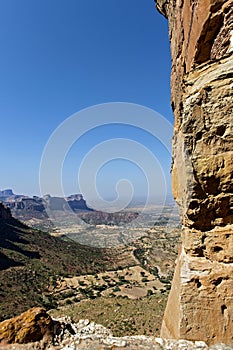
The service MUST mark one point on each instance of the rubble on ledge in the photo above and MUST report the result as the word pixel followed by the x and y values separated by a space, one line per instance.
pixel 37 326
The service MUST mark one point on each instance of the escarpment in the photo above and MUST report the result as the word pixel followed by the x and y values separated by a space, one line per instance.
pixel 200 304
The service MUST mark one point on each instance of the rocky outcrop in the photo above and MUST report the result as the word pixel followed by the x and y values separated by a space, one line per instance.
pixel 77 202
pixel 31 326
pixel 200 304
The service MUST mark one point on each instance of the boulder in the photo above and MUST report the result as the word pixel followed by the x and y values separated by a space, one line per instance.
pixel 33 325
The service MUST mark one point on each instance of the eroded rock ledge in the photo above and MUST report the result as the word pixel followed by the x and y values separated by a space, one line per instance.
pixel 35 329
pixel 200 304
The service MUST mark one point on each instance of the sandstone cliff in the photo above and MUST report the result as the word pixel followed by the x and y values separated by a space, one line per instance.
pixel 200 304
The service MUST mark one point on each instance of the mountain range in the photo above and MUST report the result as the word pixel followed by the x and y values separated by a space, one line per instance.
pixel 37 204
pixel 49 211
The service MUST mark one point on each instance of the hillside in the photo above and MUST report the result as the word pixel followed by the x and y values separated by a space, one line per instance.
pixel 30 260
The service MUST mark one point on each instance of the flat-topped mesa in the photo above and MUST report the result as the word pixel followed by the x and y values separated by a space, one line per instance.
pixel 200 304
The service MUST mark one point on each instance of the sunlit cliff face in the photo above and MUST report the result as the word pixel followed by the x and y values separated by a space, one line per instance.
pixel 201 86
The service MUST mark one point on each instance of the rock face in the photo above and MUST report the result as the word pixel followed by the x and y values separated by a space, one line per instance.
pixel 200 304
pixel 31 326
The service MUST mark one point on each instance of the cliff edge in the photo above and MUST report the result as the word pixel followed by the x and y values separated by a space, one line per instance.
pixel 200 304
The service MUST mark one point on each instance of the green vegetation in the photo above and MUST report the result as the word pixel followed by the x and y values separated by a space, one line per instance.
pixel 31 262
pixel 158 249
pixel 125 289
pixel 122 315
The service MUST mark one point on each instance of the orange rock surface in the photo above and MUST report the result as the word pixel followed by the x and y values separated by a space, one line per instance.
pixel 31 326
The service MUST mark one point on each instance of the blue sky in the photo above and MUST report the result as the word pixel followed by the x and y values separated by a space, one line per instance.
pixel 58 57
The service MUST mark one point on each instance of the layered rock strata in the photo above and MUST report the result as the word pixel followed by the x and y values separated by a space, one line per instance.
pixel 200 304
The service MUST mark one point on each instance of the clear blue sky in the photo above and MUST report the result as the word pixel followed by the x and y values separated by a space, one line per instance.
pixel 60 56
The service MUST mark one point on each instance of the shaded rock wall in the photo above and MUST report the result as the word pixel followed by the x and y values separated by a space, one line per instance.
pixel 5 213
pixel 200 304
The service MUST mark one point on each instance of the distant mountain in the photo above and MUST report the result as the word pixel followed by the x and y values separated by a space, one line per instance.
pixel 74 202
pixel 47 212
pixel 26 208
pixel 110 219
pixel 30 260
pixel 6 193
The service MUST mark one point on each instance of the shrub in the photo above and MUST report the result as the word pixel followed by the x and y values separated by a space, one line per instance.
pixel 81 283
pixel 144 279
